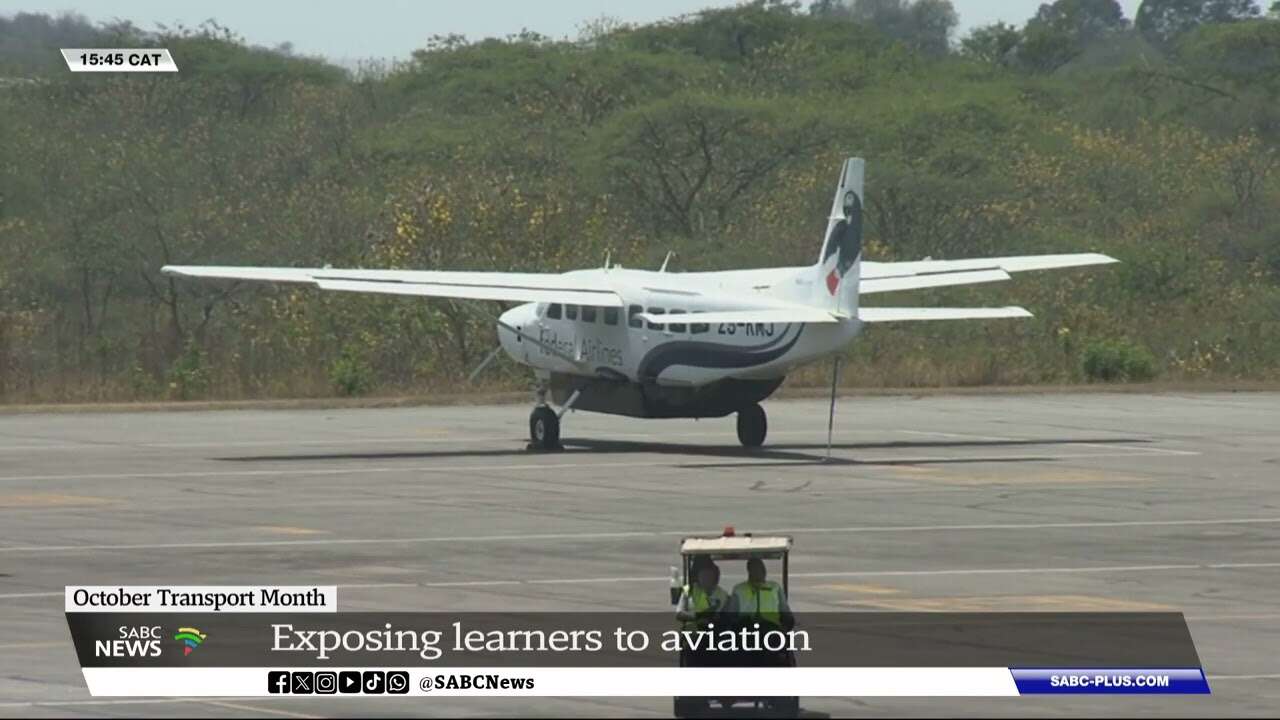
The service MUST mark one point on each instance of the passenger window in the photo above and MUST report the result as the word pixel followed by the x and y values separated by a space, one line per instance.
pixel 632 312
pixel 571 312
pixel 588 313
pixel 697 328
pixel 553 311
pixel 611 316
pixel 677 327
pixel 656 311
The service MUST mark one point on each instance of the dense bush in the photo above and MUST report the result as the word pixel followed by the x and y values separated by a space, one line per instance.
pixel 351 376
pixel 1118 361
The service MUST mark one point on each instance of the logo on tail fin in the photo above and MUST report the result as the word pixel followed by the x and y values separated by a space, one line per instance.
pixel 844 240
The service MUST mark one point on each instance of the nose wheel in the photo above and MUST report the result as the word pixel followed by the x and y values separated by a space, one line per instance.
pixel 544 429
pixel 752 426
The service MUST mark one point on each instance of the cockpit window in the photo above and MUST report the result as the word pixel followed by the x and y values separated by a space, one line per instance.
pixel 553 311
pixel 570 312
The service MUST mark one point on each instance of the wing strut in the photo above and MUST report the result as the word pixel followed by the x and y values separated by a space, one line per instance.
pixel 484 363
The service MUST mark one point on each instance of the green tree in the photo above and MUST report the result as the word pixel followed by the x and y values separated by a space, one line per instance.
pixel 1244 55
pixel 1061 31
pixel 924 25
pixel 691 161
pixel 1161 21
pixel 994 43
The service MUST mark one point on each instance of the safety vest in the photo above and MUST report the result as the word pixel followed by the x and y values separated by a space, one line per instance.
pixel 764 602
pixel 702 603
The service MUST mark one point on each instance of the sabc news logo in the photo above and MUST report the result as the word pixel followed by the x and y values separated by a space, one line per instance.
pixel 144 641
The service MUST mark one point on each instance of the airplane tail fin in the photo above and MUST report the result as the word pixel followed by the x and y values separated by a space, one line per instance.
pixel 839 264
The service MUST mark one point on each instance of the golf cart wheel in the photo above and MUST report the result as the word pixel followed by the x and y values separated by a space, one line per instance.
pixel 752 426
pixel 544 428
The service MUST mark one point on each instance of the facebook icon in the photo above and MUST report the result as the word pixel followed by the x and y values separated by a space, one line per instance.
pixel 277 682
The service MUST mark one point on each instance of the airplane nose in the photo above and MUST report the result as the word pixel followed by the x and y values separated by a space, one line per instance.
pixel 510 317
pixel 520 319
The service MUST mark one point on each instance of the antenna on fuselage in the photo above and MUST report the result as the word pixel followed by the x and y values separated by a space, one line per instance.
pixel 607 254
pixel 670 254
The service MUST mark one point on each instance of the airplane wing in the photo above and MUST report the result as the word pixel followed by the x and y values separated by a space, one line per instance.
pixel 788 314
pixel 941 279
pixel 514 287
pixel 885 277
pixel 900 314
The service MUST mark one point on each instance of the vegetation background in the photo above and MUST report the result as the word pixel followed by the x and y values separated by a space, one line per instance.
pixel 716 135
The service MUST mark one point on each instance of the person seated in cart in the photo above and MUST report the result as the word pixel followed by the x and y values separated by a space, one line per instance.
pixel 702 602
pixel 760 599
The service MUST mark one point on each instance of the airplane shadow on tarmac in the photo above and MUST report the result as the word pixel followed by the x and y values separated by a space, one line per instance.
pixel 779 454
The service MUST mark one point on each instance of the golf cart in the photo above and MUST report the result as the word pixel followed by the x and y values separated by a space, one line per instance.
pixel 730 546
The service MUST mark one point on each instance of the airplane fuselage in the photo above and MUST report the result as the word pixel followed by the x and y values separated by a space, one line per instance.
pixel 620 363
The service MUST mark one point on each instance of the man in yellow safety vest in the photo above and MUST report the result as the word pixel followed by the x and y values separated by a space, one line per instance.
pixel 760 599
pixel 702 602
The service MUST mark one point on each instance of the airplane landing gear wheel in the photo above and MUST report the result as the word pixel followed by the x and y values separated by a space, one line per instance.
pixel 544 429
pixel 752 426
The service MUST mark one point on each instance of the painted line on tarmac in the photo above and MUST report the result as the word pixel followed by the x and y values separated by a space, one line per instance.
pixel 351 441
pixel 350 470
pixel 258 710
pixel 1231 617
pixel 1042 570
pixel 147 701
pixel 631 534
pixel 32 645
pixel 844 574
pixel 801 575
pixel 1032 441
pixel 898 573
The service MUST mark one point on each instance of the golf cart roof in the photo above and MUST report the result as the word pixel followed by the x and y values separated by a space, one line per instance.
pixel 737 547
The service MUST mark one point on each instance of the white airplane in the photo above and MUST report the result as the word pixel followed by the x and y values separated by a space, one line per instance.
pixel 658 344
